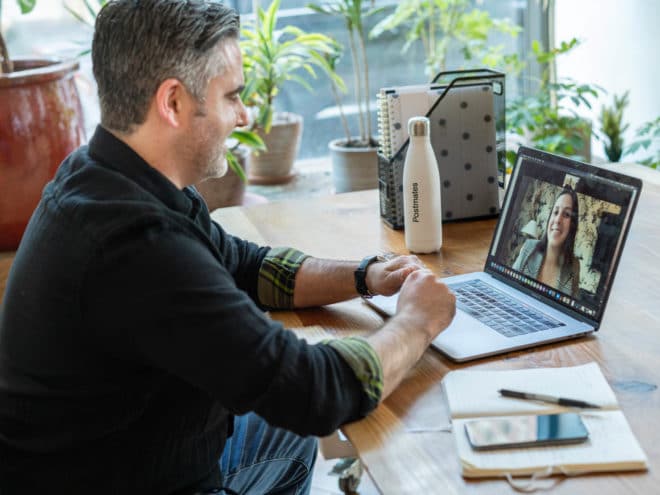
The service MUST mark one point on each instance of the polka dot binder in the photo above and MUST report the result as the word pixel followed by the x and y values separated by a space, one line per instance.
pixel 466 110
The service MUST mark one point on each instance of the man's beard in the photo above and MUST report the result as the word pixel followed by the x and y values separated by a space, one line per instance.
pixel 211 160
pixel 213 164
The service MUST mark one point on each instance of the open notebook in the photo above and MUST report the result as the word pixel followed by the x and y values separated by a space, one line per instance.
pixel 611 446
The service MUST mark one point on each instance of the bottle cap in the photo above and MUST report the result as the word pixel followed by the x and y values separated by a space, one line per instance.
pixel 418 126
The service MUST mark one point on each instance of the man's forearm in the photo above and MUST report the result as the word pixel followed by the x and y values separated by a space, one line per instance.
pixel 399 344
pixel 320 282
pixel 425 306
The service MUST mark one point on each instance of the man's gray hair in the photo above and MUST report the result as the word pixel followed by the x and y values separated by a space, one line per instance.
pixel 138 44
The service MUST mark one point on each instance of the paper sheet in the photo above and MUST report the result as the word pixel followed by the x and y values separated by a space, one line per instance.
pixel 473 393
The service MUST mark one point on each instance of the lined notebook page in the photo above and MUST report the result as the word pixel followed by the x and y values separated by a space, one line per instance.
pixel 474 393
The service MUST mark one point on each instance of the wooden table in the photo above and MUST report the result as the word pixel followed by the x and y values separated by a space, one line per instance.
pixel 396 443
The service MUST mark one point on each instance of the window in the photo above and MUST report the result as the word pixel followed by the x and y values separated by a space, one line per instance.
pixel 388 66
pixel 49 30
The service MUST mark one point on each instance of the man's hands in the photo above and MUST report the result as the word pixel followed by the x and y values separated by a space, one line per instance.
pixel 425 307
pixel 422 297
pixel 387 277
pixel 425 298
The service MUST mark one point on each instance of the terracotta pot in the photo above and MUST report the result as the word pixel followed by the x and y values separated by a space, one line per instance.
pixel 353 168
pixel 228 190
pixel 41 122
pixel 275 165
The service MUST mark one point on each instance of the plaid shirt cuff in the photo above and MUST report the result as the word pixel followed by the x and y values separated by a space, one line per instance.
pixel 365 363
pixel 277 277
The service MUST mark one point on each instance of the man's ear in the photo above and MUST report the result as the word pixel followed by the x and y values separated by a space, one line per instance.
pixel 171 100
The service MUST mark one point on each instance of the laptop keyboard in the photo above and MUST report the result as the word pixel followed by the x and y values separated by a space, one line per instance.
pixel 500 311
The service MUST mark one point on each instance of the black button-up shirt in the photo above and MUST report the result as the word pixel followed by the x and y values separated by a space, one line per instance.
pixel 131 331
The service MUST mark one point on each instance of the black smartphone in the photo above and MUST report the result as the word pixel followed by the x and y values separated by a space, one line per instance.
pixel 505 432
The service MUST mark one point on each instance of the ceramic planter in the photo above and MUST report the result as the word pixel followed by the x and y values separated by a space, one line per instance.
pixel 353 169
pixel 275 165
pixel 41 122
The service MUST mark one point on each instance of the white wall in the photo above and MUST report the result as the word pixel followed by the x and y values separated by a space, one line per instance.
pixel 620 51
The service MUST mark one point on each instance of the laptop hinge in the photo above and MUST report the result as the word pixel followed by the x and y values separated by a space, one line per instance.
pixel 545 300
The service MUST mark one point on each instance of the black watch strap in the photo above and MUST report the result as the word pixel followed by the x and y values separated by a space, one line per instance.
pixel 361 275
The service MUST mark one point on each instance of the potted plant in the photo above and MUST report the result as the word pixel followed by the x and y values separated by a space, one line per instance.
pixel 40 124
pixel 612 127
pixel 354 158
pixel 443 24
pixel 549 120
pixel 270 58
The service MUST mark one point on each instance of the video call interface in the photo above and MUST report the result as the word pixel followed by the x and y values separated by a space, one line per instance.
pixel 560 233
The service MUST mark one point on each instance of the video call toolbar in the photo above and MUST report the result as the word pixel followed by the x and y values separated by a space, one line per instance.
pixel 543 289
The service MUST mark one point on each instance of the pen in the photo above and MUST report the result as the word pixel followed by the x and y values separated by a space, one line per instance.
pixel 562 401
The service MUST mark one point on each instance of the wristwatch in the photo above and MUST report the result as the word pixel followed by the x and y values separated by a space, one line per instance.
pixel 361 275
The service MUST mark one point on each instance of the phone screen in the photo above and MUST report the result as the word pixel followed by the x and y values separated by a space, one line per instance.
pixel 526 431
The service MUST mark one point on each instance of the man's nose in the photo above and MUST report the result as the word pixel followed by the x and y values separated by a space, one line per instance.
pixel 242 116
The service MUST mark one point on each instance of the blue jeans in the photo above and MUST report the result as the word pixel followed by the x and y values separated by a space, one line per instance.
pixel 261 459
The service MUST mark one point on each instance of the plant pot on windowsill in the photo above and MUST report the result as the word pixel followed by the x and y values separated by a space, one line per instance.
pixel 228 190
pixel 354 166
pixel 275 166
pixel 40 124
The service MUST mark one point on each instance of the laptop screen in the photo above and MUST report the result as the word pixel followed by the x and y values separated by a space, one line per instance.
pixel 562 229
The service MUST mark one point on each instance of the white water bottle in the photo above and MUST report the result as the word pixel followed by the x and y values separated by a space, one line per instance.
pixel 422 210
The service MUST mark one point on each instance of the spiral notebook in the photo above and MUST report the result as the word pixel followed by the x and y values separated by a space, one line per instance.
pixel 396 105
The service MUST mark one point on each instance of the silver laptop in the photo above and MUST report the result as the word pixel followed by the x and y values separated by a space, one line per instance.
pixel 551 262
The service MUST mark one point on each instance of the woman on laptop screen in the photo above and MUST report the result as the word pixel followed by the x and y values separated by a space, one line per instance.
pixel 551 259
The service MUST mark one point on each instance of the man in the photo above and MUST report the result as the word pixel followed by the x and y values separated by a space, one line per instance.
pixel 133 329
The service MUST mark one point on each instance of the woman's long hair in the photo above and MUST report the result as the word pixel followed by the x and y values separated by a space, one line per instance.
pixel 569 242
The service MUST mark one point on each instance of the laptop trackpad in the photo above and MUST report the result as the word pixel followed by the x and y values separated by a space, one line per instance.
pixel 466 337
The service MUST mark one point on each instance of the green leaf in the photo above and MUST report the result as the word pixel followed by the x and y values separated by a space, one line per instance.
pixel 273 57
pixel 234 165
pixel 26 5
pixel 267 119
pixel 75 14
pixel 271 16
pixel 89 13
pixel 511 157
pixel 93 10
pixel 249 138
pixel 402 14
